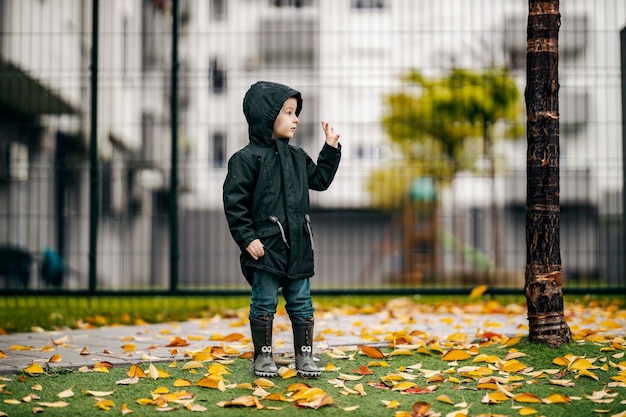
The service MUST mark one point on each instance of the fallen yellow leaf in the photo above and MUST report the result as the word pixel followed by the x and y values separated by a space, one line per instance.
pixel 527 398
pixel 456 355
pixel 97 393
pixel 33 369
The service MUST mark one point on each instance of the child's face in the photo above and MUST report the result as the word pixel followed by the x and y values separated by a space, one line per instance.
pixel 286 121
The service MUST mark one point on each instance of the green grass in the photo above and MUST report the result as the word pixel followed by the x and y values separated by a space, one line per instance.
pixel 21 314
pixel 539 357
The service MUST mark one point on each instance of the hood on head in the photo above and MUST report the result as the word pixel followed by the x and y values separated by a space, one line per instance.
pixel 261 105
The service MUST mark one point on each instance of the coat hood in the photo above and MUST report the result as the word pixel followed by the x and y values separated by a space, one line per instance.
pixel 261 105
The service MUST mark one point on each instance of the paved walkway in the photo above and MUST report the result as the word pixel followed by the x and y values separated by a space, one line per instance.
pixel 335 328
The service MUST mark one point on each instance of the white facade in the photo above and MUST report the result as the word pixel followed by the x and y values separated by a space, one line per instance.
pixel 359 55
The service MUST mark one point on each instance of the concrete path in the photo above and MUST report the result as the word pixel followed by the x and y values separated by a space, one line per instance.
pixel 333 328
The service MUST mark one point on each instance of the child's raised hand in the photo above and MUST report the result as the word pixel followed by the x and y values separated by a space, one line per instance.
pixel 332 138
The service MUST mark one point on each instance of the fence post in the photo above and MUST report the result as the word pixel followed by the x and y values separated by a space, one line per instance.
pixel 94 179
pixel 173 219
pixel 623 54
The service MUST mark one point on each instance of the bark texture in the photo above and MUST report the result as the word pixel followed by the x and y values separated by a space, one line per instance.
pixel 543 289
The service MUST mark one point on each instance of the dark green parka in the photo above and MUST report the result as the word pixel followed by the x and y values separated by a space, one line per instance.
pixel 266 191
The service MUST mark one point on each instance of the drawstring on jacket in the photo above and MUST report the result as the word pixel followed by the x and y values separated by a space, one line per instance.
pixel 280 226
pixel 308 226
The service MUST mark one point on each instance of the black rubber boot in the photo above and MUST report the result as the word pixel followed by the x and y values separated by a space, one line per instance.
pixel 303 348
pixel 264 365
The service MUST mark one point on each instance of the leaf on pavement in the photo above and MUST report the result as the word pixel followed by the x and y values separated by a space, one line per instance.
pixel 177 341
pixel 34 369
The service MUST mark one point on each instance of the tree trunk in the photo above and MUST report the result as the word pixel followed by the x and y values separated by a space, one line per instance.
pixel 544 295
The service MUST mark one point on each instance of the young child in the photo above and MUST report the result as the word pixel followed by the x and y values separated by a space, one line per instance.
pixel 266 201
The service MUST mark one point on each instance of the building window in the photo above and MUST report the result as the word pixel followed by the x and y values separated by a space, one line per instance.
pixel 218 10
pixel 291 3
pixel 288 42
pixel 217 76
pixel 369 4
pixel 148 131
pixel 218 149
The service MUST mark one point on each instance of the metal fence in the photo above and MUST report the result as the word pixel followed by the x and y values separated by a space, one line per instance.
pixel 117 118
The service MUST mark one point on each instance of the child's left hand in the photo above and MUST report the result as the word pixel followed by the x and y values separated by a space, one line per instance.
pixel 332 138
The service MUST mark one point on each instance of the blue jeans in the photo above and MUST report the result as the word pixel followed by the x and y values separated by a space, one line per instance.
pixel 297 293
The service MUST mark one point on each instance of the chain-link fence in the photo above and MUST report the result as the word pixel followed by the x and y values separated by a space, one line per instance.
pixel 117 119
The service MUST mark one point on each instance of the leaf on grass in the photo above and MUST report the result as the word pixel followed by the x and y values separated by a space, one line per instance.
pixel 527 411
pixel 153 372
pixel 317 402
pixel 363 370
pixel 125 410
pixel 212 382
pixel 66 394
pixel 513 365
pixel 181 382
pixel 192 365
pixel 584 372
pixel 56 404
pixel 562 382
pixel 195 407
pixel 105 405
pixel 263 382
pixel 527 397
pixel 485 358
pixel 347 377
pixel 244 401
pixel 556 399
pixel 456 355
pixel 286 373
pixel 218 369
pixel 420 409
pixel 580 364
pixel 136 371
pixel 371 351
pixel 97 393
pixel 391 404
pixel 445 399
pixel 401 386
pixel 401 352
pixel 128 381
pixel 12 401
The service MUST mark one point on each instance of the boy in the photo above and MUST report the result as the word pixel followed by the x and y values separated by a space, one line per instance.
pixel 266 201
